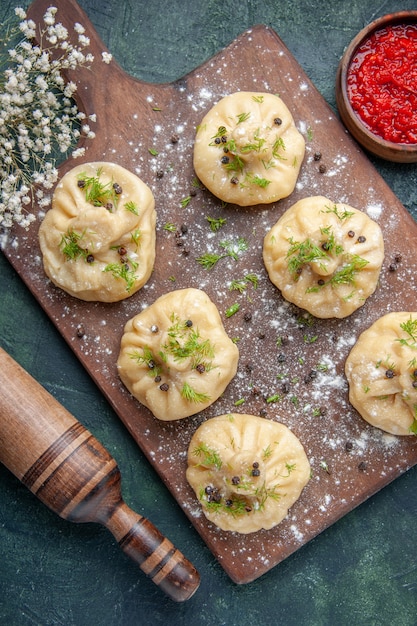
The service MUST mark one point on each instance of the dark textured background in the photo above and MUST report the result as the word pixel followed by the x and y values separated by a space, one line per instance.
pixel 362 570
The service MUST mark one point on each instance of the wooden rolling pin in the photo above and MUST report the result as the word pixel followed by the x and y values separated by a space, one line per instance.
pixel 65 466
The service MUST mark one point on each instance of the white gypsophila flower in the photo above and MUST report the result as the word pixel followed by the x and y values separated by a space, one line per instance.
pixel 106 57
pixel 38 118
pixel 20 13
pixel 78 152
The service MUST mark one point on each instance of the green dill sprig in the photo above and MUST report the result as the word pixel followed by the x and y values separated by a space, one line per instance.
pixel 185 201
pixel 413 427
pixel 96 192
pixel 242 117
pixel 131 207
pixel 346 274
pixel 341 215
pixel 184 342
pixel 254 179
pixel 410 328
pixel 242 283
pixel 70 245
pixel 148 358
pixel 210 458
pixel 136 236
pixel 191 395
pixel 300 253
pixel 124 271
pixel 170 227
pixel 216 223
pixel 232 310
pixel 231 249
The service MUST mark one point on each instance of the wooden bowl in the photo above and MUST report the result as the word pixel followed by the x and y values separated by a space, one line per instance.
pixel 398 152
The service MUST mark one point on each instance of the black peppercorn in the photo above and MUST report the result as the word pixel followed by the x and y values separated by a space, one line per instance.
pixel 164 387
pixel 90 258
pixel 361 239
pixel 225 160
pixel 278 121
pixel 117 189
pixel 351 233
pixel 390 373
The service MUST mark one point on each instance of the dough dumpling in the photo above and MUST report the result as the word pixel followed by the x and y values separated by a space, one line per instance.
pixel 175 356
pixel 324 257
pixel 246 471
pixel 381 370
pixel 248 150
pixel 98 239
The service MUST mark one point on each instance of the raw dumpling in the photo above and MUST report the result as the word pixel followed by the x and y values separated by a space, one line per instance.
pixel 324 257
pixel 381 370
pixel 246 471
pixel 98 239
pixel 247 149
pixel 175 356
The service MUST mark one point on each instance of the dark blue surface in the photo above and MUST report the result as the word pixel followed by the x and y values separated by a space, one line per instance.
pixel 362 570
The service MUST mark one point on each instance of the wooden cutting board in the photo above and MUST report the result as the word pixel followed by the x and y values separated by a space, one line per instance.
pixel 136 118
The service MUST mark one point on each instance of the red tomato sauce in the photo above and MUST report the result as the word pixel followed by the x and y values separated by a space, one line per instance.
pixel 382 83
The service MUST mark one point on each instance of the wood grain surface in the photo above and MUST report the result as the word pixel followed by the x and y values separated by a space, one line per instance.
pixel 133 118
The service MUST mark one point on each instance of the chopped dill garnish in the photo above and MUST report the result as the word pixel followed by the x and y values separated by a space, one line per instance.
pixel 254 179
pixel 242 117
pixel 147 357
pixel 278 146
pixel 410 328
pixel 170 227
pixel 346 275
pixel 135 236
pixel 216 223
pixel 255 146
pixel 210 458
pixel 232 310
pixel 302 253
pixel 70 245
pixel 342 215
pixel 185 201
pixel 153 151
pixel 232 250
pixel 191 395
pixel 131 206
pixel 96 192
pixel 123 271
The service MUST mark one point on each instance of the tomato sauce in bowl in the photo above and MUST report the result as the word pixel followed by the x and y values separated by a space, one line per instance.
pixel 376 88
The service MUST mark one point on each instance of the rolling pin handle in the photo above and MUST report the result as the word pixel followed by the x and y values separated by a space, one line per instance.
pixel 155 554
